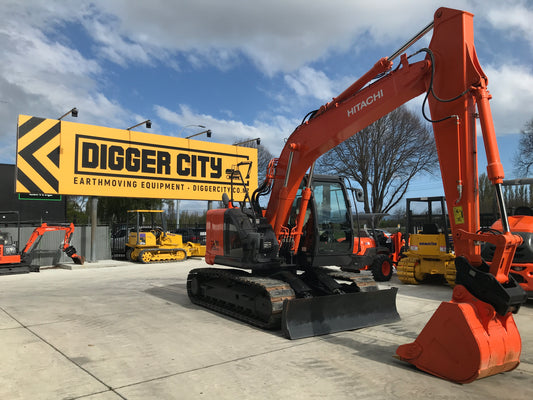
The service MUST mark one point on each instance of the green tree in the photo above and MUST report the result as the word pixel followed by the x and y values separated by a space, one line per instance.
pixel 113 209
pixel 514 195
pixel 77 210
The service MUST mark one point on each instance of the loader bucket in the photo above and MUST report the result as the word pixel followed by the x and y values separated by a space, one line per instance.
pixel 465 340
pixel 315 316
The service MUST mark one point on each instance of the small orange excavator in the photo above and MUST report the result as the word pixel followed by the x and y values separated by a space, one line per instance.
pixel 14 262
pixel 473 335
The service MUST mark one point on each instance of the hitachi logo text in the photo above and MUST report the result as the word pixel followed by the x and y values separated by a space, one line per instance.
pixel 369 100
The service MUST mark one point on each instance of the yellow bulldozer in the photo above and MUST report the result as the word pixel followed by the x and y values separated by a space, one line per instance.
pixel 150 241
pixel 429 253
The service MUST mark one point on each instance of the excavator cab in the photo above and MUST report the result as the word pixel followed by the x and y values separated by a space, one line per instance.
pixel 327 230
pixel 248 241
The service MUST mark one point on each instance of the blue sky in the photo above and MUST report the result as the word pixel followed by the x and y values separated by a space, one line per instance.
pixel 244 69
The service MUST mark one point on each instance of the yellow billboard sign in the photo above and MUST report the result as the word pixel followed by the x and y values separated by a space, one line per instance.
pixel 61 157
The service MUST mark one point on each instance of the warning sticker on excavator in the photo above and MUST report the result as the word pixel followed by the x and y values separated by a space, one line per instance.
pixel 458 215
pixel 61 157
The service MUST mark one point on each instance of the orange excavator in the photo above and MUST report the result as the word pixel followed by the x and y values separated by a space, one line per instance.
pixel 521 223
pixel 14 262
pixel 306 225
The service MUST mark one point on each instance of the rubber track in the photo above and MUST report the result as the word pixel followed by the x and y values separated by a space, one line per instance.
pixel 276 290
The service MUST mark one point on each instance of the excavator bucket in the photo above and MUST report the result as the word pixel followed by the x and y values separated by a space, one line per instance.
pixel 78 259
pixel 315 316
pixel 465 340
pixel 71 252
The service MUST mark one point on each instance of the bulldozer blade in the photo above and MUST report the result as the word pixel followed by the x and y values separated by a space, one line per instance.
pixel 465 340
pixel 315 316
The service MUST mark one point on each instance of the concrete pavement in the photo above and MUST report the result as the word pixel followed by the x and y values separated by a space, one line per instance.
pixel 128 331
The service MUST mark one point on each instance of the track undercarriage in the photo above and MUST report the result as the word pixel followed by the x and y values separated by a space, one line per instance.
pixel 298 304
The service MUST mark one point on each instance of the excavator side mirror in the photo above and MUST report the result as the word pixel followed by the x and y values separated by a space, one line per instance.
pixel 359 195
pixel 225 200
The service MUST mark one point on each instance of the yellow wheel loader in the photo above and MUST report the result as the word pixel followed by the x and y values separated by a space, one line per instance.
pixel 149 240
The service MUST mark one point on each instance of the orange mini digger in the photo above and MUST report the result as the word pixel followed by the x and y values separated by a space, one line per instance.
pixel 14 262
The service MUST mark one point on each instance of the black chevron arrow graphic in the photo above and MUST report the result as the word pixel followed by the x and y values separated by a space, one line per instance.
pixel 28 153
pixel 23 179
pixel 29 125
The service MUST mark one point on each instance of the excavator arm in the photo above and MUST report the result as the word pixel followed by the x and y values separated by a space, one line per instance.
pixel 67 248
pixel 454 84
pixel 456 92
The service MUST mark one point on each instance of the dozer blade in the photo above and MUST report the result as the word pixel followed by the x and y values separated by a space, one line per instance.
pixel 465 340
pixel 328 314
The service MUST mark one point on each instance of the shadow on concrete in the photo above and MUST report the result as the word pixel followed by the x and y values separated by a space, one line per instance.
pixel 175 293
pixel 372 349
pixel 433 289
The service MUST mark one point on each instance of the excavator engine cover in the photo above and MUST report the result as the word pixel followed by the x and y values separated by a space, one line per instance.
pixel 466 339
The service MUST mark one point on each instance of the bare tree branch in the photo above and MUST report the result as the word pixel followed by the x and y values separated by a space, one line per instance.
pixel 384 157
pixel 524 157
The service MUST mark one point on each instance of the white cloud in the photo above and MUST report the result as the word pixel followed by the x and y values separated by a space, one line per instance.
pixel 513 17
pixel 278 35
pixel 511 87
pixel 44 67
pixel 42 77
pixel 43 72
pixel 272 132
pixel 116 48
pixel 311 83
